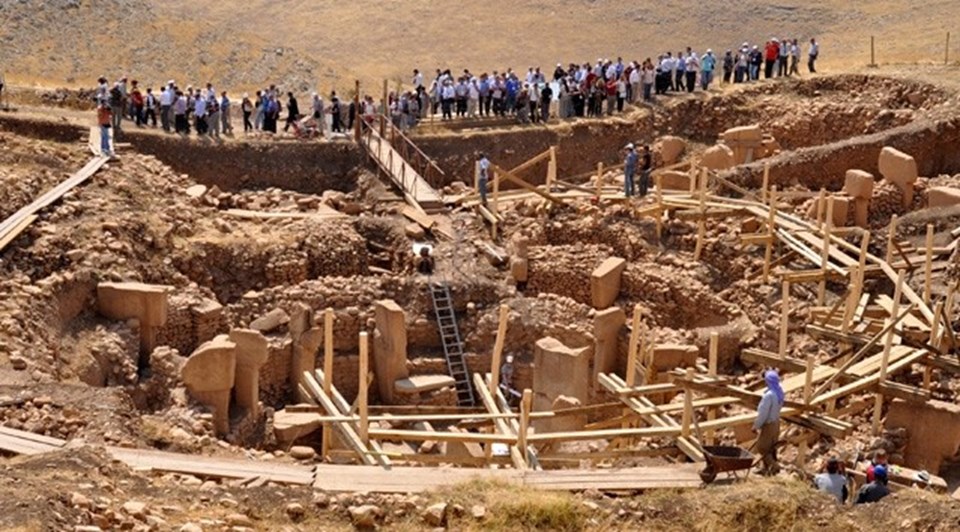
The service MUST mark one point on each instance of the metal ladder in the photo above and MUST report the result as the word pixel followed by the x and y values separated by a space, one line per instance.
pixel 452 344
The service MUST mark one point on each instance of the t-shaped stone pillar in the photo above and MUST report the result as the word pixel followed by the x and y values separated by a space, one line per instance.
pixel 561 371
pixel 209 376
pixel 251 353
pixel 606 328
pixel 144 302
pixel 389 347
pixel 304 357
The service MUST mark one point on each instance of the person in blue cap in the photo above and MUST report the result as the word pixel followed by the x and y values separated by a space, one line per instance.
pixel 875 490
pixel 767 424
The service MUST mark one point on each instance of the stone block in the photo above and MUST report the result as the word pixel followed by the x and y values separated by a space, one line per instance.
pixel 288 426
pixel 561 371
pixel 251 353
pixel 519 269
pixel 605 281
pixel 751 133
pixel 841 209
pixel 858 184
pixel 861 212
pixel 458 449
pixel 674 180
pixel 897 167
pixel 124 301
pixel 719 157
pixel 209 375
pixel 270 321
pixel 943 196
pixel 670 356
pixel 389 347
pixel 933 431
pixel 607 325
pixel 671 148
pixel 423 383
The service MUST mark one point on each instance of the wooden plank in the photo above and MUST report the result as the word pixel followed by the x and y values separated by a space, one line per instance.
pixel 203 466
pixel 268 215
pixel 15 231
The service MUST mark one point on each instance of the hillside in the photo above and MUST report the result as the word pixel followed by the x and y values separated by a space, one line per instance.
pixel 300 42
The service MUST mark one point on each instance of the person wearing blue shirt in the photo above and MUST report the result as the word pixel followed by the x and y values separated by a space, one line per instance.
pixel 513 87
pixel 707 65
pixel 767 424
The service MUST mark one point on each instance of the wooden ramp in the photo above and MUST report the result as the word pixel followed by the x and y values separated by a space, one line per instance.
pixel 415 188
pixel 205 466
pixel 20 220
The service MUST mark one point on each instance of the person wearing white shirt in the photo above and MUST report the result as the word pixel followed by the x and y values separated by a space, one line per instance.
pixel 794 58
pixel 447 95
pixel 634 82
pixel 473 98
pixel 417 79
pixel 200 115
pixel 812 56
pixel 691 69
pixel 166 101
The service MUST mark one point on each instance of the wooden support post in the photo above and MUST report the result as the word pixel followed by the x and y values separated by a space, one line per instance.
pixel 498 349
pixel 385 113
pixel 821 206
pixel 476 177
pixel 693 180
pixel 552 169
pixel 687 407
pixel 709 434
pixel 935 342
pixel 599 181
pixel 525 402
pixel 946 51
pixel 885 357
pixel 327 375
pixel 771 231
pixel 928 266
pixel 873 57
pixel 702 224
pixel 808 380
pixel 784 319
pixel 891 239
pixel 825 255
pixel 766 183
pixel 659 180
pixel 362 395
pixel 356 116
pixel 495 204
pixel 631 376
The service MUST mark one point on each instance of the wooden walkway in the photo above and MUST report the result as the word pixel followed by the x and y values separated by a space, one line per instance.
pixel 415 188
pixel 371 478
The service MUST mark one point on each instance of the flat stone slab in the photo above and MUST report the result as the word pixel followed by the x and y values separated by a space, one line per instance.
pixel 423 383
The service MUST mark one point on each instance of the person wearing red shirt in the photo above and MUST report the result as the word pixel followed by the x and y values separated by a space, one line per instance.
pixel 771 53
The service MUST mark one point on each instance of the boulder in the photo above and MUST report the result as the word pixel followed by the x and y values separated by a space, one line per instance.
pixel 943 196
pixel 897 167
pixel 841 209
pixel 674 180
pixel 751 133
pixel 719 157
pixel 671 148
pixel 605 282
pixel 858 184
pixel 435 514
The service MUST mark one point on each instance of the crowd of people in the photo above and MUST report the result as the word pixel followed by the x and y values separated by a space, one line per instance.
pixel 579 90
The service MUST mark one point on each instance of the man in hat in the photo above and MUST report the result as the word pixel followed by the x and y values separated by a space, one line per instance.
pixel 506 378
pixel 104 121
pixel 483 166
pixel 707 66
pixel 767 424
pixel 629 169
pixel 876 490
pixel 832 480
pixel 646 165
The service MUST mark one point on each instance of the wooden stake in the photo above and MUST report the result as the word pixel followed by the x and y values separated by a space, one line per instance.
pixel 709 434
pixel 821 206
pixel 495 205
pixel 946 51
pixel 693 180
pixel 771 229
pixel 808 381
pixel 935 342
pixel 766 182
pixel 631 377
pixel 853 299
pixel 386 111
pixel 825 256
pixel 525 403
pixel 891 235
pixel 476 177
pixel 362 394
pixel 784 313
pixel 659 180
pixel 928 266
pixel 873 59
pixel 327 375
pixel 552 168
pixel 702 224
pixel 687 407
pixel 356 116
pixel 498 349
pixel 885 358
pixel 599 181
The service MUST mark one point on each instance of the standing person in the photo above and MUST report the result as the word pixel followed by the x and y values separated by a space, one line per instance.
pixel 611 93
pixel 832 481
pixel 783 69
pixel 770 54
pixel 117 98
pixel 546 97
pixel 622 89
pixel 447 95
pixel 646 165
pixel 533 99
pixel 649 78
pixel 293 111
pixel 707 66
pixel 200 115
pixel 180 113
pixel 727 67
pixel 213 114
pixel 812 56
pixel 335 122
pixel 473 98
pixel 756 61
pixel 136 105
pixel 483 176
pixel 318 112
pixel 679 70
pixel 876 490
pixel 246 107
pixel 767 424
pixel 105 121
pixel 691 69
pixel 166 102
pixel 742 69
pixel 226 124
pixel 259 104
pixel 629 169
pixel 794 58
pixel 150 108
pixel 636 75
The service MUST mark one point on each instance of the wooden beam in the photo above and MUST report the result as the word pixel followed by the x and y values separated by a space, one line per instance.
pixel 525 403
pixel 498 348
pixel 517 181
pixel 362 394
pixel 328 373
pixel 928 265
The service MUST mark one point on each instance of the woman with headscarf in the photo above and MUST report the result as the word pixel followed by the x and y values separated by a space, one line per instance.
pixel 767 424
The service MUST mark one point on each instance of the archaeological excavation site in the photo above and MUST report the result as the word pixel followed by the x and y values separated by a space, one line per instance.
pixel 267 333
